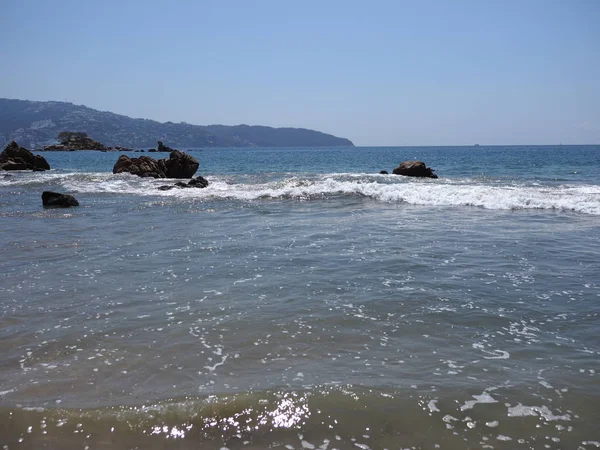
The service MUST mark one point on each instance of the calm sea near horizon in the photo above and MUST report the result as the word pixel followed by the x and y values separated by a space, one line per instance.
pixel 303 300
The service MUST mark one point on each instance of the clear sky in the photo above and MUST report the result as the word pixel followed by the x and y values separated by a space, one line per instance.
pixel 377 72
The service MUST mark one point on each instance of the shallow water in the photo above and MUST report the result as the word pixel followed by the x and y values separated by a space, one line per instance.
pixel 297 303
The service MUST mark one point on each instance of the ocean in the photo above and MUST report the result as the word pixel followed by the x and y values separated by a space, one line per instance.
pixel 305 301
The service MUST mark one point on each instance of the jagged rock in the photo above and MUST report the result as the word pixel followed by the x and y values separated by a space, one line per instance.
pixel 163 148
pixel 19 158
pixel 71 141
pixel 414 169
pixel 178 165
pixel 56 200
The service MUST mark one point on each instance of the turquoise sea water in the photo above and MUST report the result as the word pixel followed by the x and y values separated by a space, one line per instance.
pixel 303 300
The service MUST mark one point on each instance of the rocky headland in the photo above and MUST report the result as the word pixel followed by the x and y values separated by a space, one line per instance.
pixel 36 124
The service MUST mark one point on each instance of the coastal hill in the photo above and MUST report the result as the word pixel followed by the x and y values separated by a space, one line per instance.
pixel 37 124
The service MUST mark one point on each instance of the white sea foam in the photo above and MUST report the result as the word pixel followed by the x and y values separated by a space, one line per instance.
pixel 543 411
pixel 432 406
pixel 448 418
pixel 213 368
pixel 483 398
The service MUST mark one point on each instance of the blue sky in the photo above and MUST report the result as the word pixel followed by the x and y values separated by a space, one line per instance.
pixel 377 72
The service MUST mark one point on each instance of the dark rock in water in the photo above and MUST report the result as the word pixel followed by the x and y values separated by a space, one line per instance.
pixel 57 200
pixel 163 148
pixel 383 172
pixel 19 158
pixel 144 166
pixel 152 150
pixel 414 169
pixel 166 187
pixel 40 163
pixel 178 165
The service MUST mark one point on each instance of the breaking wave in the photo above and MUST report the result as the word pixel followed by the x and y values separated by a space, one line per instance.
pixel 483 193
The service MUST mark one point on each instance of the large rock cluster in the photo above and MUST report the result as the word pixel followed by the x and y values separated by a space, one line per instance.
pixel 71 141
pixel 178 165
pixel 19 158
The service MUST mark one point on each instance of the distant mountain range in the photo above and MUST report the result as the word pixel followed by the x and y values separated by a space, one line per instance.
pixel 37 124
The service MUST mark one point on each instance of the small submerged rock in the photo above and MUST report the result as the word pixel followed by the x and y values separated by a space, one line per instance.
pixel 19 158
pixel 414 169
pixel 198 182
pixel 57 200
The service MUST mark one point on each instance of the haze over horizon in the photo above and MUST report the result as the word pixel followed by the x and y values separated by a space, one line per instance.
pixel 387 73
